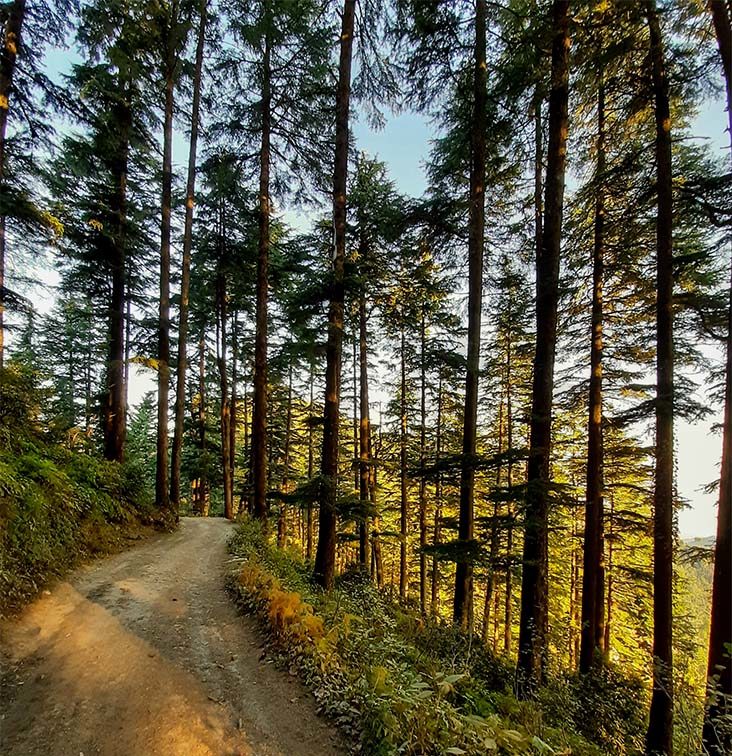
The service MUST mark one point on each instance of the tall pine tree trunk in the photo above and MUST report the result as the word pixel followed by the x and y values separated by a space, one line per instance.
pixel 8 57
pixel 185 283
pixel 422 463
pixel 311 463
pixel 364 435
pixel 114 409
pixel 435 588
pixel 233 406
pixel 324 570
pixel 463 597
pixel 659 739
pixel 225 417
pixel 162 498
pixel 403 499
pixel 259 417
pixel 719 667
pixel 535 589
pixel 593 582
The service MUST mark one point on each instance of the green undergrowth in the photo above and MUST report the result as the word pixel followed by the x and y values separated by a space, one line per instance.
pixel 58 505
pixel 396 683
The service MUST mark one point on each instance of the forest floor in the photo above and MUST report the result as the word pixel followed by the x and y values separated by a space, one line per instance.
pixel 144 653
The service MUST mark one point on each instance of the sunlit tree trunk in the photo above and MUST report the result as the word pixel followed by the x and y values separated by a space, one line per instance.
pixel 224 392
pixel 285 484
pixel 185 284
pixel 311 462
pixel 490 584
pixel 364 436
pixel 259 417
pixel 659 739
pixel 534 588
pixel 422 462
pixel 463 598
pixel 719 667
pixel 203 478
pixel 593 579
pixel 436 535
pixel 324 570
pixel 403 498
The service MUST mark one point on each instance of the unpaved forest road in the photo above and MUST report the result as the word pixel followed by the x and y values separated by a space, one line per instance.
pixel 144 653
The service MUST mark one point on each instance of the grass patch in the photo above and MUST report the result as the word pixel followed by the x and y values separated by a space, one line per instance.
pixel 397 683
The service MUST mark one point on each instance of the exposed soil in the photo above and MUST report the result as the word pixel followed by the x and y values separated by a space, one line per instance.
pixel 144 653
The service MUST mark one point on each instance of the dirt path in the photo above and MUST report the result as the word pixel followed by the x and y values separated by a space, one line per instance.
pixel 144 653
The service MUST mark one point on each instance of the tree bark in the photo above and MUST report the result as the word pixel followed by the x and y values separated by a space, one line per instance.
pixel 534 590
pixel 185 284
pixel 719 666
pixel 282 520
pixel 162 493
pixel 463 597
pixel 364 436
pixel 422 463
pixel 324 570
pixel 435 592
pixel 259 417
pixel 114 408
pixel 593 581
pixel 403 499
pixel 659 738
pixel 8 57
pixel 225 417
pixel 203 477
pixel 311 463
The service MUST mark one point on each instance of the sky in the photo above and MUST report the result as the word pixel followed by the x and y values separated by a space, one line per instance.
pixel 404 144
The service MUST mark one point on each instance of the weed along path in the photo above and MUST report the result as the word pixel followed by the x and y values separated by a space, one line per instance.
pixel 144 653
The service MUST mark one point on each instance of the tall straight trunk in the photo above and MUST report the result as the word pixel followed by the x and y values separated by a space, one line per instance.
pixel 463 597
pixel 162 493
pixel 508 601
pixel 203 477
pixel 403 500
pixel 490 585
pixel 259 418
pixel 610 577
pixel 233 406
pixel 422 463
pixel 114 407
pixel 225 417
pixel 719 666
pixel 128 344
pixel 435 592
pixel 593 579
pixel 8 57
pixel 311 463
pixel 535 589
pixel 324 570
pixel 364 435
pixel 285 483
pixel 659 739
pixel 185 283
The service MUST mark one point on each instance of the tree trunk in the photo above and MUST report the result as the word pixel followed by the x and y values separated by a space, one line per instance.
pixel 364 437
pixel 8 56
pixel 285 483
pixel 508 604
pixel 162 494
pixel 463 598
pixel 324 570
pixel 435 595
pixel 719 668
pixel 224 390
pixel 114 408
pixel 593 581
pixel 311 462
pixel 659 739
pixel 534 589
pixel 259 418
pixel 185 284
pixel 422 463
pixel 233 406
pixel 403 499
pixel 490 584
pixel 203 477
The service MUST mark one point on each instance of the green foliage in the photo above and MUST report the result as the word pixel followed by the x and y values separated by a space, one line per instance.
pixel 57 504
pixel 397 682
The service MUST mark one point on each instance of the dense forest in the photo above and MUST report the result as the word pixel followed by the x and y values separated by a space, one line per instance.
pixel 466 398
